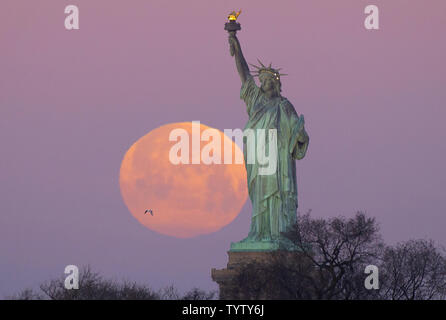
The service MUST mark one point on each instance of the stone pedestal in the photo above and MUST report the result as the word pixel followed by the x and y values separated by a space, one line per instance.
pixel 228 278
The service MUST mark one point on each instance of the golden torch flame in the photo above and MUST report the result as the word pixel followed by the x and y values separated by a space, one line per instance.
pixel 234 15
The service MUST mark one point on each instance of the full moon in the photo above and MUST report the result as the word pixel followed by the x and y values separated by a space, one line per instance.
pixel 186 200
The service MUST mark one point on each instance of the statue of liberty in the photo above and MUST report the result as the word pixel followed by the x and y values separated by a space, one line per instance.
pixel 273 196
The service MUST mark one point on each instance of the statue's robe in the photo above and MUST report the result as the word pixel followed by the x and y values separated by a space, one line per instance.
pixel 273 197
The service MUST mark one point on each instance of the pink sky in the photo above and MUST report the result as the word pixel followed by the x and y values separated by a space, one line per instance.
pixel 73 102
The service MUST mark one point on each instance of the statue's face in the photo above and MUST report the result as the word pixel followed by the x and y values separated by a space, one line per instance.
pixel 268 84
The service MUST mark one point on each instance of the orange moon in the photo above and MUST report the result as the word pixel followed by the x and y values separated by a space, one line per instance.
pixel 187 200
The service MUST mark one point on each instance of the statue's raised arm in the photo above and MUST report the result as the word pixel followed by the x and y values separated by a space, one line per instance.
pixel 236 51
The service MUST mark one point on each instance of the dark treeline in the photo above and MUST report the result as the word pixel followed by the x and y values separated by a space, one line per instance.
pixel 331 261
pixel 329 264
pixel 93 286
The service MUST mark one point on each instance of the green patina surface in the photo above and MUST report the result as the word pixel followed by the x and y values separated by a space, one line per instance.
pixel 271 245
pixel 273 195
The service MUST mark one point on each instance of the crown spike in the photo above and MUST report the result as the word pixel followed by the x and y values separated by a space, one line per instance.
pixel 261 63
pixel 261 69
pixel 255 66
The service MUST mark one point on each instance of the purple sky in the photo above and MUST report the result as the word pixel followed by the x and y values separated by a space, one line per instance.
pixel 73 102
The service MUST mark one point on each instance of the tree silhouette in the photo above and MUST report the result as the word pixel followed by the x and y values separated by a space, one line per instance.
pixel 330 261
pixel 92 286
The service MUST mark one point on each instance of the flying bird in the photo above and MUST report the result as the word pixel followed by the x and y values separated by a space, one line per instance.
pixel 149 211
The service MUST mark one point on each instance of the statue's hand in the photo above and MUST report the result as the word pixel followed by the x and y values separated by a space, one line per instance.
pixel 233 43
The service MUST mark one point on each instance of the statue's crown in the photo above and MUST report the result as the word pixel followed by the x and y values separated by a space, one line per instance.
pixel 262 68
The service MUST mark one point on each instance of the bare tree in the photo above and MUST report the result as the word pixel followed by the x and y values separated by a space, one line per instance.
pixel 26 294
pixel 413 270
pixel 339 249
pixel 330 262
pixel 92 286
pixel 199 294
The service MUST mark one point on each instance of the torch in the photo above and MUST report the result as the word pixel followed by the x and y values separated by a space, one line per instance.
pixel 232 25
